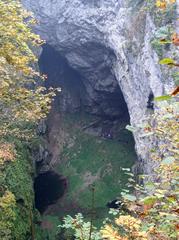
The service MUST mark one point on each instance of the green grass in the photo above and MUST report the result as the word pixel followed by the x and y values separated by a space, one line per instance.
pixel 53 222
pixel 102 158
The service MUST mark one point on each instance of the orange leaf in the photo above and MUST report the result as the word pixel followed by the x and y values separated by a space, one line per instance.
pixel 175 91
pixel 175 39
pixel 161 4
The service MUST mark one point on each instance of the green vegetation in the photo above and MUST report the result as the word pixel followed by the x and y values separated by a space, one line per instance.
pixel 22 103
pixel 50 227
pixel 93 165
pixel 16 180
pixel 19 181
pixel 94 161
pixel 90 161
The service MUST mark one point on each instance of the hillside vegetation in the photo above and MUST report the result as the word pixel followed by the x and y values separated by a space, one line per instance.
pixel 150 212
pixel 22 104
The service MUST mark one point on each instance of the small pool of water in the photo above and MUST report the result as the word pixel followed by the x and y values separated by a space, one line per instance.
pixel 48 187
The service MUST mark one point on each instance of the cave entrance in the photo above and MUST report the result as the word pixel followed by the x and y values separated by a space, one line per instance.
pixel 48 187
pixel 86 135
pixel 98 95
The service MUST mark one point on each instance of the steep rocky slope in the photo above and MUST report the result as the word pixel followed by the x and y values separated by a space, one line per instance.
pixel 105 41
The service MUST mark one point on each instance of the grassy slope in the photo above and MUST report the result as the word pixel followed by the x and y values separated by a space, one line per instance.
pixel 102 159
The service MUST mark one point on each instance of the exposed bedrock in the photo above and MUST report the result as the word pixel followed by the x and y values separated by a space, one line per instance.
pixel 106 42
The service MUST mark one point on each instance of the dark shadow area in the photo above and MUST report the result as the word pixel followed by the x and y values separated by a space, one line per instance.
pixel 48 187
pixel 92 104
pixel 115 204
pixel 150 102
pixel 61 75
pixel 80 94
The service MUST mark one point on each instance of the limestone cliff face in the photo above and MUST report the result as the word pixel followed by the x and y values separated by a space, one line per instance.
pixel 105 41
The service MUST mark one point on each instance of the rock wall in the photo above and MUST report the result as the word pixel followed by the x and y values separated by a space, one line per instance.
pixel 104 98
pixel 106 34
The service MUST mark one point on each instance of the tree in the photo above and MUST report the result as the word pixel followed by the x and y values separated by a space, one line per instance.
pixel 23 102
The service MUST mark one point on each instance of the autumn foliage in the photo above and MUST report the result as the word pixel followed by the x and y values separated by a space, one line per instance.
pixel 23 101
pixel 162 4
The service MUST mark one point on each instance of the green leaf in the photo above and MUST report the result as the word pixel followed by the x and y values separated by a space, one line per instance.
pixel 149 200
pixel 168 160
pixel 145 227
pixel 129 174
pixel 150 186
pixel 126 169
pixel 131 128
pixel 163 98
pixel 131 180
pixel 167 61
pixel 165 41
pixel 163 32
pixel 114 212
pixel 129 197
pixel 142 176
pixel 159 195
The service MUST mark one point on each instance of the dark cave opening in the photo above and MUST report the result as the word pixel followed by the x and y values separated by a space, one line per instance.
pixel 48 187
pixel 81 94
pixel 150 102
pixel 61 75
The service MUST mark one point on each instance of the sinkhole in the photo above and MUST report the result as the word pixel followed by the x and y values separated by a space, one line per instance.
pixel 48 187
pixel 86 136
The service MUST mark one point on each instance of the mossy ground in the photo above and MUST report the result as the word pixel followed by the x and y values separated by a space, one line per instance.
pixel 92 160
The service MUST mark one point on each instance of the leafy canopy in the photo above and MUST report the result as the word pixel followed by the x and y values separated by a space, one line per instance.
pixel 23 102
